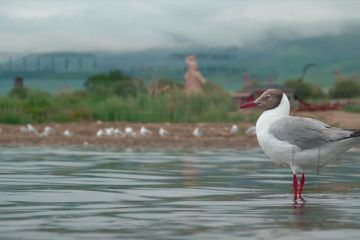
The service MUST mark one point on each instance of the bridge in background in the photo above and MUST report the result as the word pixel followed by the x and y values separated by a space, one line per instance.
pixel 64 62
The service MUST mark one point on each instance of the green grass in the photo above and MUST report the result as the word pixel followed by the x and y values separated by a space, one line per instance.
pixel 352 108
pixel 40 107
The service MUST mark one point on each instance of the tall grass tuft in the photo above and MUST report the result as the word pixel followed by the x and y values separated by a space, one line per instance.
pixel 352 108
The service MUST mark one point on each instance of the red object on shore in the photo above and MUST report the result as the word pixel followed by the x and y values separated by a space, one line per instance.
pixel 304 106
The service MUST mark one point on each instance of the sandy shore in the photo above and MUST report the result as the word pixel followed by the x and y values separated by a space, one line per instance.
pixel 216 135
pixel 84 134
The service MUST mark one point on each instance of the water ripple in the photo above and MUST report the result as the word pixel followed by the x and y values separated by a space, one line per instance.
pixel 62 193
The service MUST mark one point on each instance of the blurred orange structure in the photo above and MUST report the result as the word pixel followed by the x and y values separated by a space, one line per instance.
pixel 338 76
pixel 248 82
pixel 194 81
pixel 354 77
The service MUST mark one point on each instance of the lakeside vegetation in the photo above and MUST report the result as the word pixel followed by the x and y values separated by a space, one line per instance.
pixel 117 97
pixel 352 108
pixel 345 89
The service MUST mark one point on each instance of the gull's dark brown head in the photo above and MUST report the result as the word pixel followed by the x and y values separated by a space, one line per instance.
pixel 270 99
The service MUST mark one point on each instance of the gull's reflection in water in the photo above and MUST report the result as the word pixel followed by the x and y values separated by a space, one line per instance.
pixel 190 173
pixel 318 213
pixel 315 216
pixel 299 205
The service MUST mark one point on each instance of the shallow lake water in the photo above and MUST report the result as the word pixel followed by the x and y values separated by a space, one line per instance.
pixel 57 193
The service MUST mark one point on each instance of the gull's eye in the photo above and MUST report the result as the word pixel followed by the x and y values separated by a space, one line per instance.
pixel 267 97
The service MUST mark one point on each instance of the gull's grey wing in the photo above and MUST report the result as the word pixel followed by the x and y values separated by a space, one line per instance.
pixel 306 133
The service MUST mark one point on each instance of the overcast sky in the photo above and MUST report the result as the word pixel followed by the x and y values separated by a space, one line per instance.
pixel 82 25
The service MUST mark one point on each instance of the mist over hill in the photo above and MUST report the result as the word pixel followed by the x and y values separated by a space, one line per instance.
pixel 276 60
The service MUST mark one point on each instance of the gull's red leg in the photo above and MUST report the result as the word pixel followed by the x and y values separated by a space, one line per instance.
pixel 302 182
pixel 295 184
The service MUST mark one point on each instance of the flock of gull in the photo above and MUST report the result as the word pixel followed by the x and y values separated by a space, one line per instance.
pixel 130 132
pixel 127 132
pixel 46 132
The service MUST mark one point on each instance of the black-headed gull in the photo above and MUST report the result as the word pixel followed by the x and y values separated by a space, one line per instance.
pixel 303 143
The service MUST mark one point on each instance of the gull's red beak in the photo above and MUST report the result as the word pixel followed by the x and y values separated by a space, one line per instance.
pixel 249 104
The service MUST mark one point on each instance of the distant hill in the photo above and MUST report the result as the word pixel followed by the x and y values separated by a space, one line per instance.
pixel 337 52
pixel 225 66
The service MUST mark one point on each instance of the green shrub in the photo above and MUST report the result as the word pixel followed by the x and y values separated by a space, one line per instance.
pixel 38 104
pixel 304 89
pixel 163 86
pixel 11 111
pixel 352 108
pixel 114 83
pixel 19 92
pixel 345 89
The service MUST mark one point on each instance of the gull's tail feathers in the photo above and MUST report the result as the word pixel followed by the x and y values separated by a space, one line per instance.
pixel 355 134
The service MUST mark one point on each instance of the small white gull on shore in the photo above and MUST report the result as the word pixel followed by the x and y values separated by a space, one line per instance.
pixel 251 131
pixel 129 132
pixel 29 129
pixel 118 132
pixel 68 133
pixel 163 132
pixel 47 131
pixel 234 129
pixel 198 132
pixel 100 133
pixel 145 132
